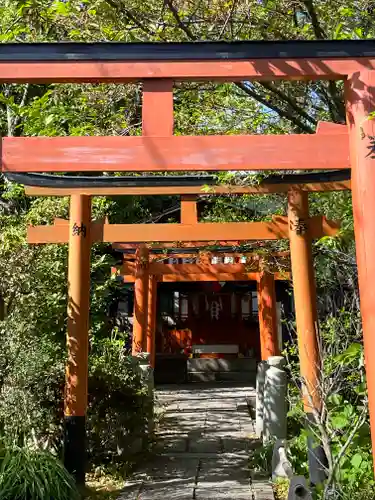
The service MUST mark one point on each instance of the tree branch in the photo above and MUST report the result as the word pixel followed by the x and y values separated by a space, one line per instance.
pixel 179 21
pixel 130 16
pixel 5 205
pixel 338 114
pixel 17 119
pixel 288 100
pixel 318 30
pixel 228 18
pixel 361 420
pixel 281 112
pixel 337 102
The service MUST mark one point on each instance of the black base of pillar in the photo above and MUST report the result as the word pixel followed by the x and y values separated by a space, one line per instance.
pixel 316 458
pixel 75 447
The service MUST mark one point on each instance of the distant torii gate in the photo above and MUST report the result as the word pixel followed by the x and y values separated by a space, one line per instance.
pixel 255 268
pixel 158 66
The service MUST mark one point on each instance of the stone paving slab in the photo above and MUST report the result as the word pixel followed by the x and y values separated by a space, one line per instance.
pixel 203 445
pixel 177 433
pixel 222 414
pixel 185 415
pixel 181 490
pixel 262 490
pixel 169 468
pixel 248 432
pixel 193 422
pixel 222 494
pixel 244 416
pixel 176 444
pixel 216 420
pixel 198 456
pixel 131 491
pixel 227 426
pixel 223 472
pixel 185 428
pixel 232 444
pixel 222 433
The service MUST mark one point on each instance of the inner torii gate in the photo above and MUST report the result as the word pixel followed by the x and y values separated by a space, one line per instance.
pixel 158 66
pixel 256 268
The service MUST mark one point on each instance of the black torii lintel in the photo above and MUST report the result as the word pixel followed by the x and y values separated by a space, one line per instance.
pixel 187 51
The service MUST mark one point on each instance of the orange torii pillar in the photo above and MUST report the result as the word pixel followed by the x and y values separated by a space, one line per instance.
pixel 360 99
pixel 151 318
pixel 306 318
pixel 140 301
pixel 269 343
pixel 157 120
pixel 77 336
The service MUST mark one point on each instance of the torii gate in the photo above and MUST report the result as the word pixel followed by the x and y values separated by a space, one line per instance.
pixel 146 274
pixel 254 268
pixel 158 66
pixel 244 267
pixel 80 233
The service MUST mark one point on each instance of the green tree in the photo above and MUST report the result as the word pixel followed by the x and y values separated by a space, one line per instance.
pixel 32 313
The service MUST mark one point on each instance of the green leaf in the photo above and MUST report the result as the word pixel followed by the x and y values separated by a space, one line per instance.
pixel 338 31
pixel 339 421
pixel 61 8
pixel 352 353
pixel 336 399
pixel 356 460
pixel 49 119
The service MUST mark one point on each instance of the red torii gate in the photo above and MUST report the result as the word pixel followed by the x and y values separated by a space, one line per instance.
pixel 158 65
pixel 299 230
pixel 146 274
pixel 256 268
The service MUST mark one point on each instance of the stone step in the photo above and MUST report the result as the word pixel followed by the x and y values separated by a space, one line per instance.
pixel 221 365
pixel 236 376
pixel 202 377
pixel 223 376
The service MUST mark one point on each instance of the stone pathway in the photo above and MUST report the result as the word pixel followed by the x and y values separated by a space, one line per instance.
pixel 203 446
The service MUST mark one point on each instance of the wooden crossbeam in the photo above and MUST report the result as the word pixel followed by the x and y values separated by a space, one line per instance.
pixel 176 153
pixel 168 278
pixel 205 255
pixel 188 190
pixel 202 245
pixel 252 276
pixel 333 68
pixel 192 255
pixel 183 269
pixel 146 233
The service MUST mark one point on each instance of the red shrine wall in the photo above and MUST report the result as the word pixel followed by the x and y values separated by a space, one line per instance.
pixel 210 317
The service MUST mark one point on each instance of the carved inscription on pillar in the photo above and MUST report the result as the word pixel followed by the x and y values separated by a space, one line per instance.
pixel 79 230
pixel 299 226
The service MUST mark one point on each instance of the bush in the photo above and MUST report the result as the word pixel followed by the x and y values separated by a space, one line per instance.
pixel 33 475
pixel 119 409
pixel 31 396
pixel 33 352
pixel 32 383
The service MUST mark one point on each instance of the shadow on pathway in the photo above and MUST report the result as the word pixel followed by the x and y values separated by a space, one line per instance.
pixel 203 447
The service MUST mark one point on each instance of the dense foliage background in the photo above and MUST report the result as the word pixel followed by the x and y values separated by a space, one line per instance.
pixel 33 279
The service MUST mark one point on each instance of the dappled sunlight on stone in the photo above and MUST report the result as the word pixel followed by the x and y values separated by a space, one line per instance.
pixel 203 446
